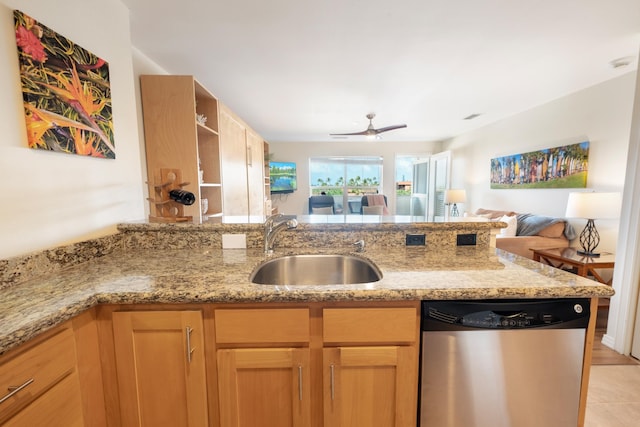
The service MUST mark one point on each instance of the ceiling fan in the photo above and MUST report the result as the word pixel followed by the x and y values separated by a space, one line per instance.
pixel 370 132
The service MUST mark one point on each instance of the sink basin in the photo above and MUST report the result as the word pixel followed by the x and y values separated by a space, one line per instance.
pixel 316 270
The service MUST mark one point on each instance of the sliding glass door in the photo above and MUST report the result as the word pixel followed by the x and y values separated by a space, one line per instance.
pixel 347 179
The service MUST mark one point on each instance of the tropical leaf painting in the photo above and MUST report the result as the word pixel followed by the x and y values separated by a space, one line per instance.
pixel 66 92
pixel 558 167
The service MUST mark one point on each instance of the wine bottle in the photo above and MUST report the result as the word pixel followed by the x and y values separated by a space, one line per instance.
pixel 182 196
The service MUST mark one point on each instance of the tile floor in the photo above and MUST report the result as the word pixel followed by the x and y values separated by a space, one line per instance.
pixel 613 399
pixel 614 396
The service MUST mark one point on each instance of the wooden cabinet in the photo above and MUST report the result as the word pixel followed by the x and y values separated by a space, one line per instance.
pixel 264 371
pixel 174 139
pixel 161 368
pixel 242 154
pixel 370 366
pixel 40 384
pixel 369 385
pixel 318 366
pixel 264 387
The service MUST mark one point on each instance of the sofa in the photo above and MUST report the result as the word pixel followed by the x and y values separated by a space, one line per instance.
pixel 529 231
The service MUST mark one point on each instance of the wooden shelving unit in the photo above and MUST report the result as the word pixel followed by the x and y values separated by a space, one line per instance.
pixel 175 139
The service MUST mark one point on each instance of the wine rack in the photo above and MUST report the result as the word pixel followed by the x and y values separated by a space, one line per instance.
pixel 163 208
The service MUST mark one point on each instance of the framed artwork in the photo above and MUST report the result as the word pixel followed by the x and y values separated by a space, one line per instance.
pixel 66 92
pixel 558 167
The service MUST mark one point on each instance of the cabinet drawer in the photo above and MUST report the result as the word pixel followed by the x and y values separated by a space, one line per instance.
pixel 262 325
pixel 60 406
pixel 360 325
pixel 45 364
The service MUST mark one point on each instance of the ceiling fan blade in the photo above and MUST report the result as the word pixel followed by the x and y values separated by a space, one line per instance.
pixel 364 132
pixel 388 128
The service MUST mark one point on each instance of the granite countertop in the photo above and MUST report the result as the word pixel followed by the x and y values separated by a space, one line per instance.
pixel 222 276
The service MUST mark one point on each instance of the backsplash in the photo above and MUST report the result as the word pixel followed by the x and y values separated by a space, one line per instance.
pixel 140 236
pixel 26 267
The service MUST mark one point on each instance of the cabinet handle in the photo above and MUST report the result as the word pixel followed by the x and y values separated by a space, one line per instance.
pixel 249 156
pixel 333 383
pixel 300 382
pixel 15 390
pixel 189 349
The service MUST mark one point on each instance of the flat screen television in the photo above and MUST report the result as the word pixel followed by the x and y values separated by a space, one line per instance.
pixel 283 177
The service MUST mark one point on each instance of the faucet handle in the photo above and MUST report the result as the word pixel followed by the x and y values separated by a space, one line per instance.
pixel 359 245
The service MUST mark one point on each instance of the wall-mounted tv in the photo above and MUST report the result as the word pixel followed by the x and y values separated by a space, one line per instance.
pixel 283 177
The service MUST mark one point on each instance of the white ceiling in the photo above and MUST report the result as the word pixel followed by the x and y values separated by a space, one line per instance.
pixel 297 70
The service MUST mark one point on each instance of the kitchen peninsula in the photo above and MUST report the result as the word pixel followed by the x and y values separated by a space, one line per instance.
pixel 162 278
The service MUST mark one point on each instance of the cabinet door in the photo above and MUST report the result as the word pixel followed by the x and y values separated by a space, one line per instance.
pixel 160 368
pixel 369 386
pixel 233 153
pixel 255 173
pixel 264 387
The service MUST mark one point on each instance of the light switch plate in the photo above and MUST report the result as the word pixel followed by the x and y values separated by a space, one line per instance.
pixel 234 241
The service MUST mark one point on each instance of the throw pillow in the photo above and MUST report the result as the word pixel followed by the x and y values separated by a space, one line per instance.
pixel 512 226
pixel 494 215
pixel 323 211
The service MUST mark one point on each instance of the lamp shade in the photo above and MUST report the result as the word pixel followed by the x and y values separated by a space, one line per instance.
pixel 594 205
pixel 455 196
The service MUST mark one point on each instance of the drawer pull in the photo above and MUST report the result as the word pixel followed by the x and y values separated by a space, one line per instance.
pixel 15 390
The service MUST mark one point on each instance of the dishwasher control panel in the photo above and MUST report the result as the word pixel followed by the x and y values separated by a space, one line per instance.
pixel 505 314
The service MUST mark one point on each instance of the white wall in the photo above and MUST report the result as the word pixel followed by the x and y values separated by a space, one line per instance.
pixel 600 114
pixel 51 199
pixel 300 152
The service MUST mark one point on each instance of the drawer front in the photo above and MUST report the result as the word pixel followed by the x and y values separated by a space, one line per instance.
pixel 45 364
pixel 262 325
pixel 59 407
pixel 370 325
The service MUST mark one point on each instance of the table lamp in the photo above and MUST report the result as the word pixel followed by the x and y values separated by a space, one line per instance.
pixel 592 206
pixel 453 197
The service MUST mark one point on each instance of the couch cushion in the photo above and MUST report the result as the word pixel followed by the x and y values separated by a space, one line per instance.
pixel 554 230
pixel 522 245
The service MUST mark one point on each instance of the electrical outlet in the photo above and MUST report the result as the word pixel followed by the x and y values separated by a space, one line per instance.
pixel 415 240
pixel 466 240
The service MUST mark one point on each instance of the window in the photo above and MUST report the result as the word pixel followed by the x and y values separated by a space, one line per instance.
pixel 347 179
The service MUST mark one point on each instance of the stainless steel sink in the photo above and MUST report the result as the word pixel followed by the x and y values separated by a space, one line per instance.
pixel 316 270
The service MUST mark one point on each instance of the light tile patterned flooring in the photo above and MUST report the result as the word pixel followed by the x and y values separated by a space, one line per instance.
pixel 614 389
pixel 614 396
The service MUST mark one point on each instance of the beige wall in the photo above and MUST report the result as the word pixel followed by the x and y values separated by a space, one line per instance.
pixel 600 114
pixel 50 199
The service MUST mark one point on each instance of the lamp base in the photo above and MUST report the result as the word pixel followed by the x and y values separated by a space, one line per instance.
pixel 589 239
pixel 589 254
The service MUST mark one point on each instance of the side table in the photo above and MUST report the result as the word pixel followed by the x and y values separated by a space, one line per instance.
pixel 581 265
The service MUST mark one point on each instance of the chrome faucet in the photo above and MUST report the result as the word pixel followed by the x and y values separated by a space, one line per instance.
pixel 273 225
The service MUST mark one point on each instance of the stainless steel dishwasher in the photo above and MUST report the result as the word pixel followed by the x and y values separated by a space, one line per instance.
pixel 502 363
